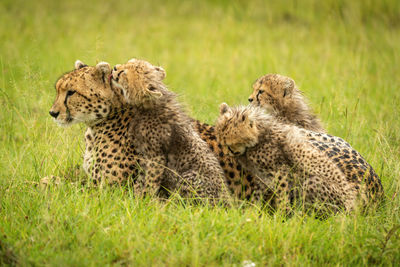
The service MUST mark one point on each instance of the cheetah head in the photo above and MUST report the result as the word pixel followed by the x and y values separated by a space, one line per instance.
pixel 272 91
pixel 237 128
pixel 83 95
pixel 140 81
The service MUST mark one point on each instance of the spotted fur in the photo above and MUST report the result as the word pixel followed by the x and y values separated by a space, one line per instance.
pixel 279 96
pixel 297 163
pixel 173 153
pixel 85 95
pixel 240 182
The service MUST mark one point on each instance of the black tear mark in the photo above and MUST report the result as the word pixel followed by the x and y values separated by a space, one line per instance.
pixel 70 92
pixel 66 108
pixel 258 94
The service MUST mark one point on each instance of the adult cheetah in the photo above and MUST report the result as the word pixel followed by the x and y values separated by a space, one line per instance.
pixel 85 95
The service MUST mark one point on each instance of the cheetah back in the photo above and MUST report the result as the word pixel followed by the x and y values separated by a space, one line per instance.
pixel 349 161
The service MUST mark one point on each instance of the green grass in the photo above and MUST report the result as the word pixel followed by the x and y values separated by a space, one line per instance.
pixel 345 56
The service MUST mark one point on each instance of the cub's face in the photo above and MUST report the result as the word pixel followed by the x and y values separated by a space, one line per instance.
pixel 83 95
pixel 270 90
pixel 140 81
pixel 235 130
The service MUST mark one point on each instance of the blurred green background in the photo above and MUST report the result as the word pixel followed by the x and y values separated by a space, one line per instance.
pixel 344 55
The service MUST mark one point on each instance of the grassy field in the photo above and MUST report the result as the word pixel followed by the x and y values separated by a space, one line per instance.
pixel 345 56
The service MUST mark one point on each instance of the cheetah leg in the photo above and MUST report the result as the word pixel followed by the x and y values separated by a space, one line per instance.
pixel 281 186
pixel 189 185
pixel 320 196
pixel 149 180
pixel 75 174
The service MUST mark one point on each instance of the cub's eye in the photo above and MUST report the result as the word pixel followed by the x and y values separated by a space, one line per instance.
pixel 152 88
pixel 70 92
pixel 261 91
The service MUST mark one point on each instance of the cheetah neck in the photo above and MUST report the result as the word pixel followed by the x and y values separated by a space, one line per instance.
pixel 117 119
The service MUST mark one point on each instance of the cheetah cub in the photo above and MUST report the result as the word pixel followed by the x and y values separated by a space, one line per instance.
pixel 175 157
pixel 280 96
pixel 316 169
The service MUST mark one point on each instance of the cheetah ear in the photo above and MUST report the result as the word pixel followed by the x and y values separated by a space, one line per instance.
pixel 153 91
pixel 103 68
pixel 79 64
pixel 223 108
pixel 288 87
pixel 132 60
pixel 160 72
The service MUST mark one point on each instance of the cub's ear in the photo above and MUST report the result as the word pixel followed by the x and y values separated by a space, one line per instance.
pixel 132 60
pixel 288 86
pixel 79 64
pixel 223 108
pixel 161 72
pixel 153 91
pixel 103 68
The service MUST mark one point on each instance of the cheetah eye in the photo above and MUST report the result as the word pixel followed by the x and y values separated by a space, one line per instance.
pixel 119 73
pixel 70 92
pixel 152 88
pixel 261 91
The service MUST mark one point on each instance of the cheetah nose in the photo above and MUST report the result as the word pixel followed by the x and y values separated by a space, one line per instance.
pixel 250 100
pixel 54 114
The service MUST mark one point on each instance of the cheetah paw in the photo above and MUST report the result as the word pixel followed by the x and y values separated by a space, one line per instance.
pixel 49 180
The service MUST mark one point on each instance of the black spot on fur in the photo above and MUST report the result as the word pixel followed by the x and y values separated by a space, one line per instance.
pixel 249 178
